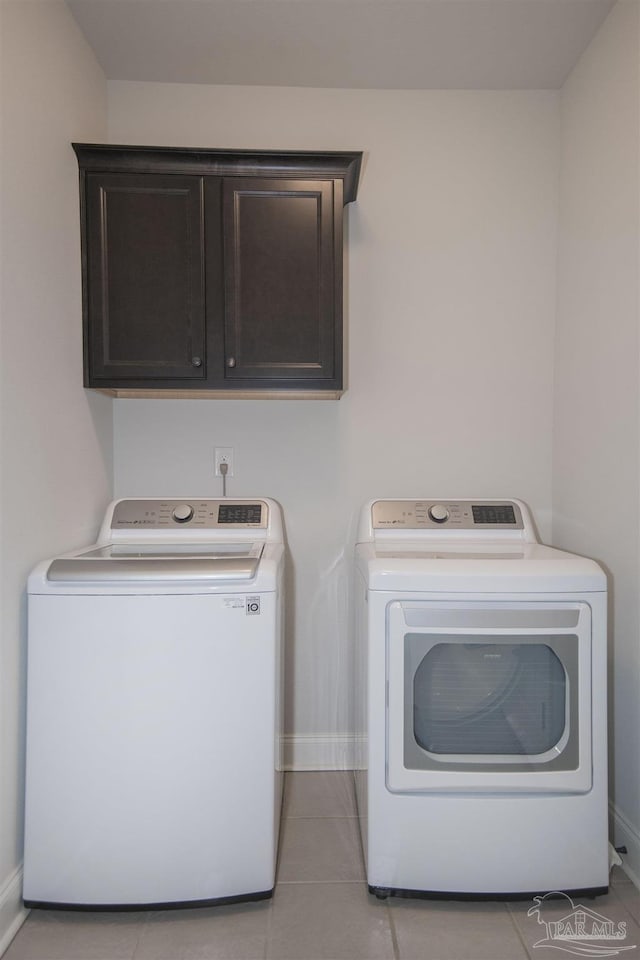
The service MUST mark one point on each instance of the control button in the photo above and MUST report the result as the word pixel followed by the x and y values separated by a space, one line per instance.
pixel 439 513
pixel 182 513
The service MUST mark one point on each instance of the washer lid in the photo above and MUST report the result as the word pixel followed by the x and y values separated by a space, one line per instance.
pixel 157 562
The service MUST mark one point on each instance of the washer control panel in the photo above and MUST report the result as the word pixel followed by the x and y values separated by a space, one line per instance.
pixel 190 514
pixel 446 514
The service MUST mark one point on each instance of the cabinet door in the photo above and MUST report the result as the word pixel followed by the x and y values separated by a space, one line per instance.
pixel 145 277
pixel 283 317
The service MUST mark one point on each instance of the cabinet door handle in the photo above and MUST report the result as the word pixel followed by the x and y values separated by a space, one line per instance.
pixel 231 362
pixel 196 361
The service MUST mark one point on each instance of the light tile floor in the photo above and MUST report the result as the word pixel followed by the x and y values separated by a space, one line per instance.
pixel 321 909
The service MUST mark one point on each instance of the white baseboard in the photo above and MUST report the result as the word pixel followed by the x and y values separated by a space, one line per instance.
pixel 627 835
pixel 12 911
pixel 328 751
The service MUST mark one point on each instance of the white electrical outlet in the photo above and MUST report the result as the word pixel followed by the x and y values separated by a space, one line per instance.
pixel 223 455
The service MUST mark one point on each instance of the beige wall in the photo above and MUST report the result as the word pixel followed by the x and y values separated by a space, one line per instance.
pixel 56 439
pixel 596 438
pixel 450 306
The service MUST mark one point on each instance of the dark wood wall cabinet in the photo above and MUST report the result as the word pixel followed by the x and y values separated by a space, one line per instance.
pixel 213 272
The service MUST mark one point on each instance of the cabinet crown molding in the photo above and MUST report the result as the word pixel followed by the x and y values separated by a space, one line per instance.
pixel 342 165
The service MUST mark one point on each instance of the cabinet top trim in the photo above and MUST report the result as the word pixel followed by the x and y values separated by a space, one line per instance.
pixel 334 165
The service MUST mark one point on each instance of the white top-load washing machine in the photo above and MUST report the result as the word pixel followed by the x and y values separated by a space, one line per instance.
pixel 154 709
pixel 482 704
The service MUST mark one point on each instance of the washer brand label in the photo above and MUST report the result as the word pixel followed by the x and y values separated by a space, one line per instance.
pixel 234 602
pixel 253 606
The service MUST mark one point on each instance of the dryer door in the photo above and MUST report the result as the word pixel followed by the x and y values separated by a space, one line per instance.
pixel 487 697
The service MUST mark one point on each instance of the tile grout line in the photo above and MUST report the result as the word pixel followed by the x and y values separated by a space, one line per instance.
pixel 518 931
pixel 291 883
pixel 268 938
pixel 337 816
pixel 394 934
pixel 634 920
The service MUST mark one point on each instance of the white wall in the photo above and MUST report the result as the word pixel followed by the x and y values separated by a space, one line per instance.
pixel 56 438
pixel 450 314
pixel 597 384
pixel 450 307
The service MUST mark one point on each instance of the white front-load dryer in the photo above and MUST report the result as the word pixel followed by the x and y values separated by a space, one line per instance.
pixel 154 774
pixel 482 704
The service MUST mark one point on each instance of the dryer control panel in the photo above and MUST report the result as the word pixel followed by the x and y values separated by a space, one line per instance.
pixel 446 514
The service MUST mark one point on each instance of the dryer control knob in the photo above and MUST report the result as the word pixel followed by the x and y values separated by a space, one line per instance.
pixel 182 513
pixel 439 513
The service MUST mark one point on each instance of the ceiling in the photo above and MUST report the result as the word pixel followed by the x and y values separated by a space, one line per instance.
pixel 392 44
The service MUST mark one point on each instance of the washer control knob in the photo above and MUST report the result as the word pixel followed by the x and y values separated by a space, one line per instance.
pixel 182 513
pixel 439 513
